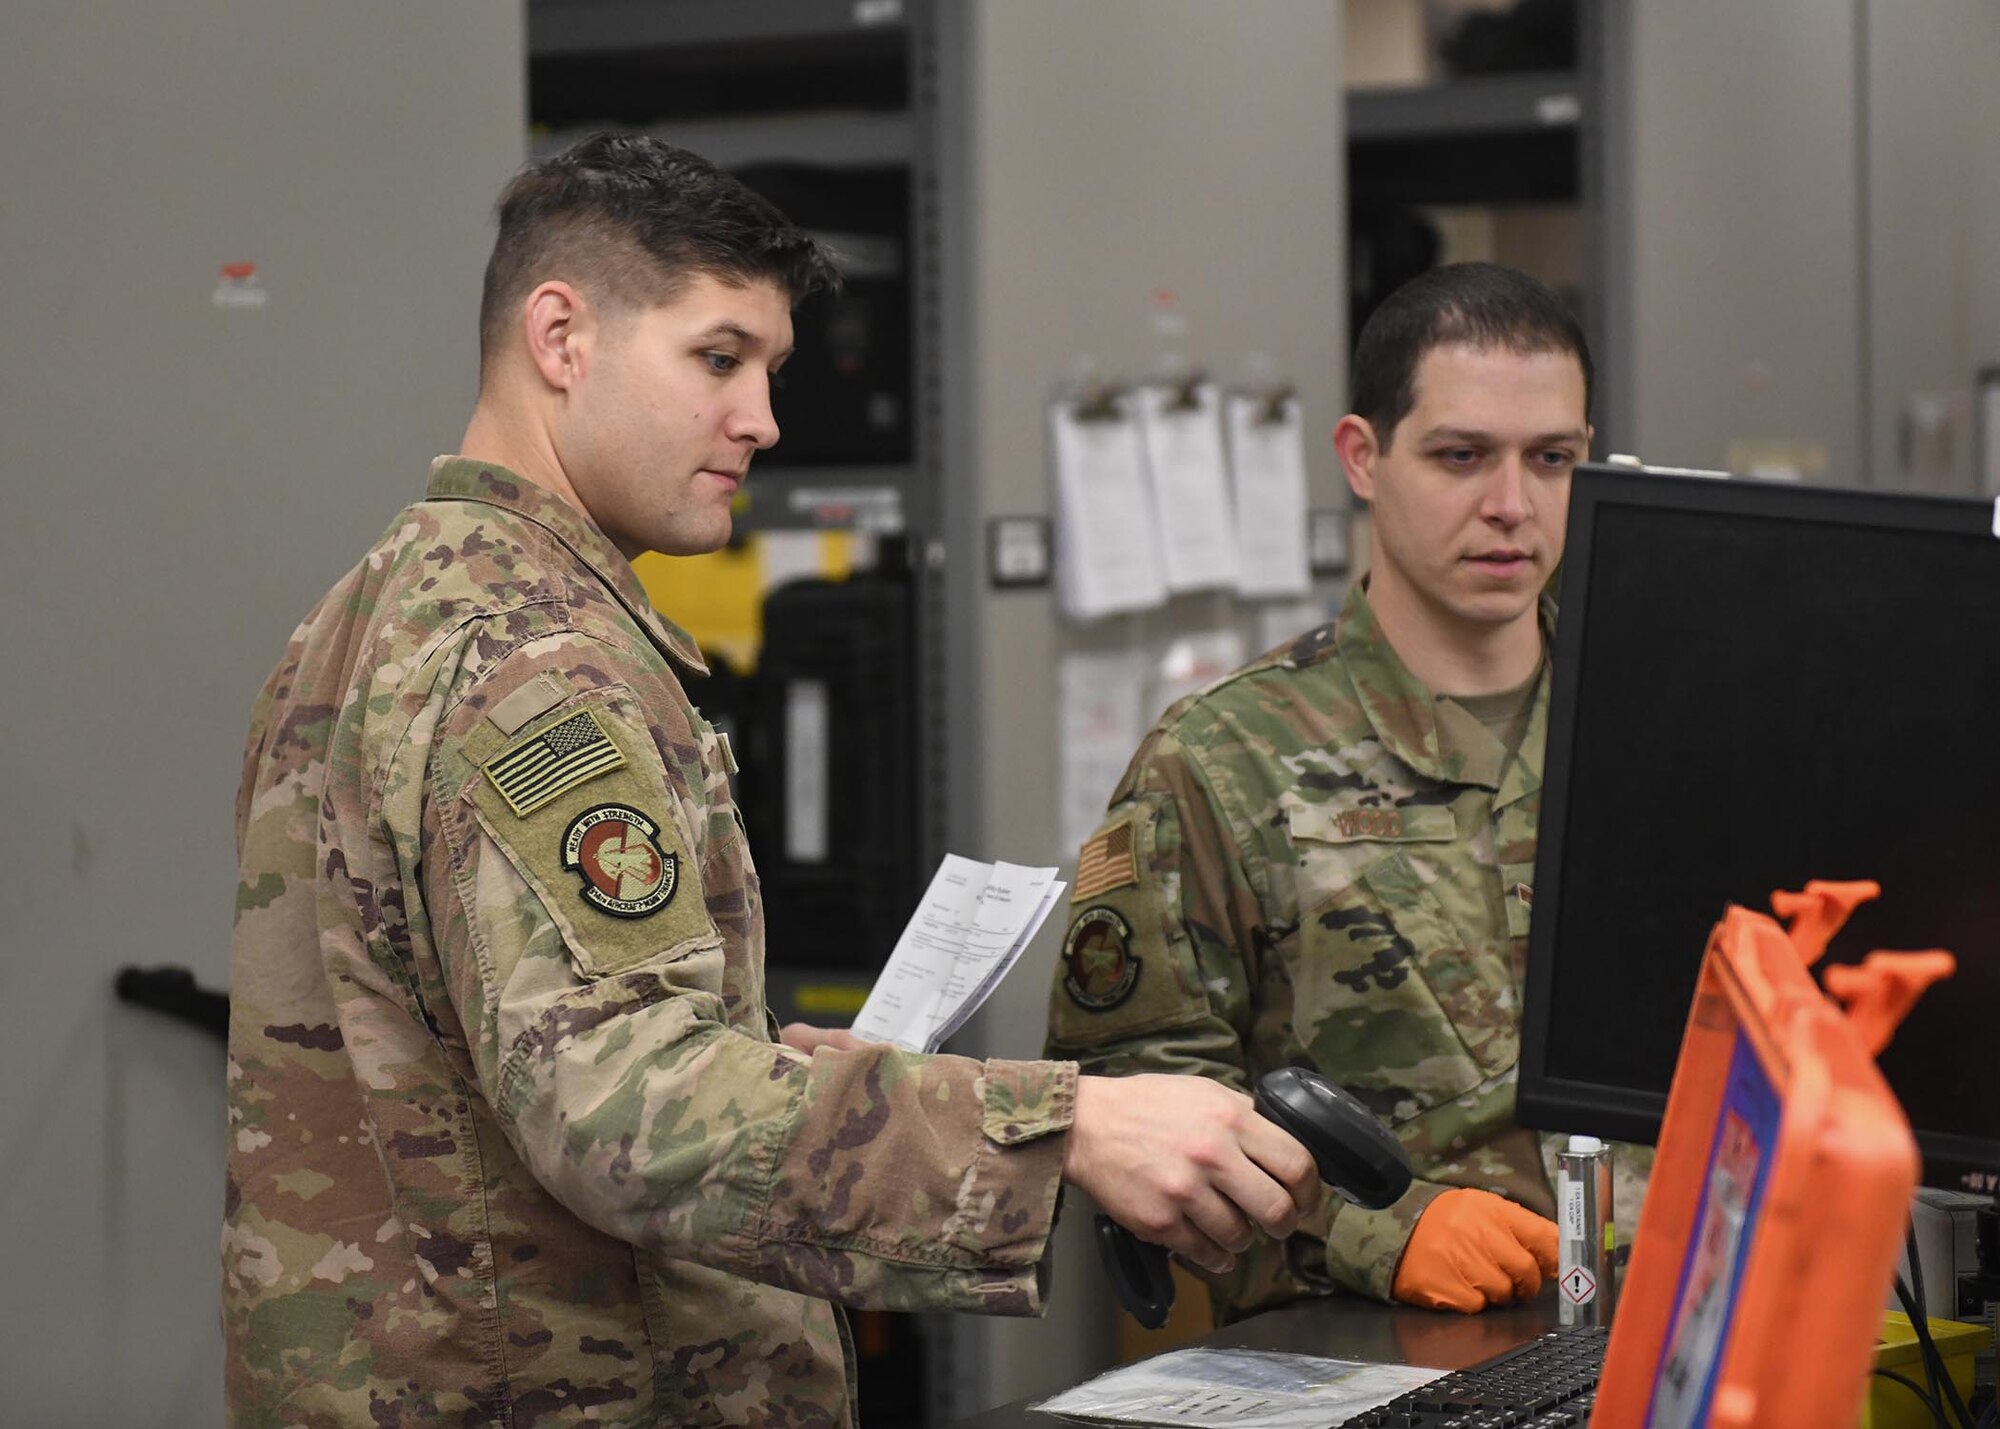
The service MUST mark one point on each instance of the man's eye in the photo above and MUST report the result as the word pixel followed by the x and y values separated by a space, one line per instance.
pixel 1558 460
pixel 721 363
pixel 1459 456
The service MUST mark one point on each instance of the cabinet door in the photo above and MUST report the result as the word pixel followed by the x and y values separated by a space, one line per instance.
pixel 1740 156
pixel 1933 234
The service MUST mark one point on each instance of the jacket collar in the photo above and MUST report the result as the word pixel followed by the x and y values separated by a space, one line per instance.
pixel 1438 740
pixel 455 478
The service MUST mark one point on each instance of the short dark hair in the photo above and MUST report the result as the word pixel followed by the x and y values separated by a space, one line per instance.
pixel 630 220
pixel 1480 305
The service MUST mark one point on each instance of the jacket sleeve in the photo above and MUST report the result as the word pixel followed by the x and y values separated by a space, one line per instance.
pixel 1158 966
pixel 626 1053
pixel 1162 967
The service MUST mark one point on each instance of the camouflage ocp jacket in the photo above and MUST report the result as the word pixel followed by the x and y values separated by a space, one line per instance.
pixel 511 1140
pixel 1316 862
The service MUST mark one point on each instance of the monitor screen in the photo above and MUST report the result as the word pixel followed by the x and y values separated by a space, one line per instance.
pixel 1756 684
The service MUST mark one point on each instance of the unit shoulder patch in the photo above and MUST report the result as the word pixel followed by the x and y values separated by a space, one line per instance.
pixel 613 848
pixel 613 854
pixel 1099 969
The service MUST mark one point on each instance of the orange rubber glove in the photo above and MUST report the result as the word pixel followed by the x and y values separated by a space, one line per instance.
pixel 1472 1249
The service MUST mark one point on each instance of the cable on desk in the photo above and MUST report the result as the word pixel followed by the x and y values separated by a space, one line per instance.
pixel 1936 1409
pixel 1934 1367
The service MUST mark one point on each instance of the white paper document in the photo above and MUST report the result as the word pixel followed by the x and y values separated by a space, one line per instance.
pixel 1239 1389
pixel 1268 460
pixel 1190 484
pixel 1107 555
pixel 968 930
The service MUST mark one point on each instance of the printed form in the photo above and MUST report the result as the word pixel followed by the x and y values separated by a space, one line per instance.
pixel 968 930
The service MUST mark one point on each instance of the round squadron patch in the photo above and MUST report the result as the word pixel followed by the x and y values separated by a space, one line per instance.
pixel 624 870
pixel 1099 970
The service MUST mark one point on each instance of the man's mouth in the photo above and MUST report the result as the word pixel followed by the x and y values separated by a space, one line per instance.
pixel 1502 563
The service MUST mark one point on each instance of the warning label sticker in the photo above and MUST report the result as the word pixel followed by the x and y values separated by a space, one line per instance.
pixel 1579 1286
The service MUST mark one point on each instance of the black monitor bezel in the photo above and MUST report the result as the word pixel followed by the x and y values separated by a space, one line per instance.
pixel 1550 1103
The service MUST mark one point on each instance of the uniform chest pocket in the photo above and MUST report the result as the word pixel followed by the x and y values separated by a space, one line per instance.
pixel 1389 998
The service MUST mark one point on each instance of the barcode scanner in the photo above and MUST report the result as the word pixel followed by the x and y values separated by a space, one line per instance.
pixel 1357 1156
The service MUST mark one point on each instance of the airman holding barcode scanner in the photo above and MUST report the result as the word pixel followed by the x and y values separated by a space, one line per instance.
pixel 1326 859
pixel 514 1138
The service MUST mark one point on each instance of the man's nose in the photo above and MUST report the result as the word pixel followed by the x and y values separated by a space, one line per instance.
pixel 752 419
pixel 1507 494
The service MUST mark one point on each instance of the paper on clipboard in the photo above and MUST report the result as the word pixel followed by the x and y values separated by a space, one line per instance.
pixel 1267 457
pixel 1107 558
pixel 1190 484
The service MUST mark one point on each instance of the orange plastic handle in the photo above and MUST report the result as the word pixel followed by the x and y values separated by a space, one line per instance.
pixel 1880 990
pixel 1813 916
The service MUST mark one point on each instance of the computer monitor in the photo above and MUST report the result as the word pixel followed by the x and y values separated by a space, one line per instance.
pixel 1755 684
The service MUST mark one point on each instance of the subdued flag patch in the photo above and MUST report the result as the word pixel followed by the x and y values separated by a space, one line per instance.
pixel 559 758
pixel 1106 862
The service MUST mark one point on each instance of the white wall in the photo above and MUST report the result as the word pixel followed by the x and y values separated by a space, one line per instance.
pixel 182 481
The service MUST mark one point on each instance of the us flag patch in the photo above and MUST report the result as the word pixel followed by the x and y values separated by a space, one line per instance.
pixel 559 758
pixel 1106 862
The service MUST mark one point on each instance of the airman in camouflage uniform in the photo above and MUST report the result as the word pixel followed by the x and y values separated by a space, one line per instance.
pixel 1318 861
pixel 513 1137
pixel 495 1090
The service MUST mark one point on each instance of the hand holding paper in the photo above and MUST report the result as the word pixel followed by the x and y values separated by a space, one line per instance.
pixel 804 1037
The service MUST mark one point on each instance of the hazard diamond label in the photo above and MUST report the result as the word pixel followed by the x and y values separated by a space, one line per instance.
pixel 1580 1286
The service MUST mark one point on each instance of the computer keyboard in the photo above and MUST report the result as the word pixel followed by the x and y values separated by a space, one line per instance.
pixel 1548 1383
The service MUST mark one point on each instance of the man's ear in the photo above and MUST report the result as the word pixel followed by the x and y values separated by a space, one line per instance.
pixel 556 325
pixel 1354 442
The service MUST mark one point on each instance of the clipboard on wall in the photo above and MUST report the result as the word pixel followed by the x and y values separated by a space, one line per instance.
pixel 1107 546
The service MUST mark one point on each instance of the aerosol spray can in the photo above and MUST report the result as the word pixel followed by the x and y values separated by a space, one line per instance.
pixel 1585 1231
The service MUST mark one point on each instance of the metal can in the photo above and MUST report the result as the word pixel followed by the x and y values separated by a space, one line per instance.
pixel 1586 1235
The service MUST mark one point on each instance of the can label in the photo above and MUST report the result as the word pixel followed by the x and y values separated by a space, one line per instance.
pixel 1570 1192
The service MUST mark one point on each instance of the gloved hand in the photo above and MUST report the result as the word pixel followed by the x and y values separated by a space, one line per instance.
pixel 1472 1249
